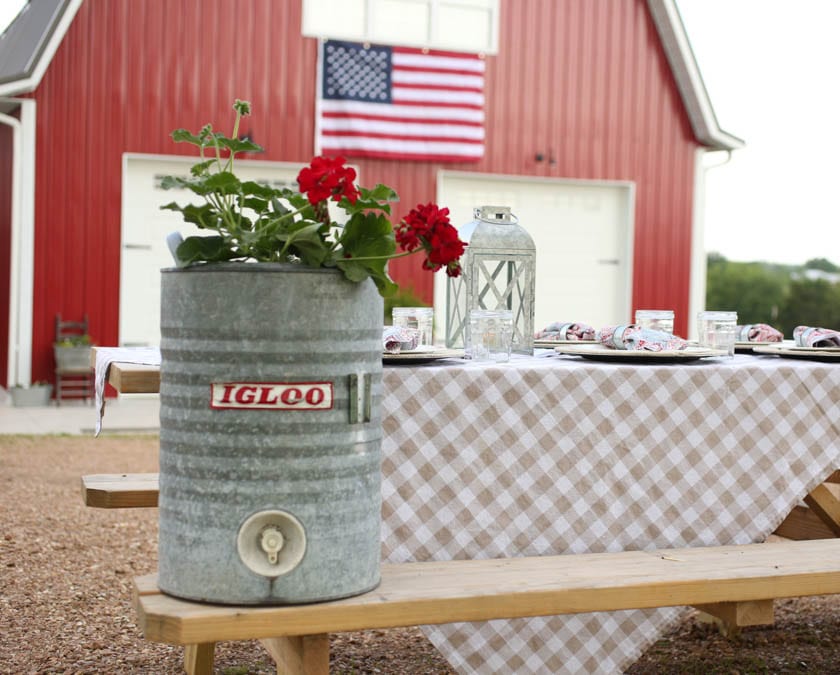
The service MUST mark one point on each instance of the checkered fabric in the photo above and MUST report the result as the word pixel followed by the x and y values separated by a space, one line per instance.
pixel 563 455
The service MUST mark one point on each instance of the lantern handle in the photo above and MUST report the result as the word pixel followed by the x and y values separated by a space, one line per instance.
pixel 502 213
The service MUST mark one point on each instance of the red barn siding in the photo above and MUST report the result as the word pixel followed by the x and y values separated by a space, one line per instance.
pixel 583 81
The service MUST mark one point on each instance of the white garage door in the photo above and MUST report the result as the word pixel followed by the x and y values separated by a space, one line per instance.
pixel 583 232
pixel 145 227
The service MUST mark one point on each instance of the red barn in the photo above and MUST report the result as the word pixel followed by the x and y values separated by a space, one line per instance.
pixel 595 123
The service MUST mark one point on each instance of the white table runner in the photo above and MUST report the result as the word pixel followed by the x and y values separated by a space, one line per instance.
pixel 562 455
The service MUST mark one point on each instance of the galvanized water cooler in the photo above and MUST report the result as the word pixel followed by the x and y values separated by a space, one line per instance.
pixel 270 442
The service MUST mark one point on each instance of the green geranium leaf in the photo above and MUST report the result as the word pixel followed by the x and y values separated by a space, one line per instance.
pixel 279 207
pixel 197 185
pixel 200 169
pixel 259 205
pixel 381 193
pixel 308 245
pixel 367 242
pixel 239 144
pixel 377 199
pixel 206 249
pixel 250 187
pixel 184 136
pixel 366 235
pixel 358 271
pixel 223 182
pixel 203 216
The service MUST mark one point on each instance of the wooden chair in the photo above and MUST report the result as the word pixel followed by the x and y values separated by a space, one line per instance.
pixel 74 381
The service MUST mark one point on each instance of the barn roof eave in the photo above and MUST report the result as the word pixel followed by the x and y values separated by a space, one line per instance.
pixel 30 41
pixel 687 75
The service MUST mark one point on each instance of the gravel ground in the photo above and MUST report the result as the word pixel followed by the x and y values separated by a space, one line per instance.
pixel 65 589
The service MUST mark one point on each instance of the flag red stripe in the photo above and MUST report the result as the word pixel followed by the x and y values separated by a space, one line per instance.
pixel 443 71
pixel 407 120
pixel 436 87
pixel 439 104
pixel 400 137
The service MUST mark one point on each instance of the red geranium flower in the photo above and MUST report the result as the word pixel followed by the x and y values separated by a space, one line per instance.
pixel 327 178
pixel 428 226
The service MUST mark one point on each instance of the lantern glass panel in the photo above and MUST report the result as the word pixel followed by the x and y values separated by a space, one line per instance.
pixel 499 269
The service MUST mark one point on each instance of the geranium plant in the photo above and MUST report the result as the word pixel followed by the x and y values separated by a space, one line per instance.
pixel 252 221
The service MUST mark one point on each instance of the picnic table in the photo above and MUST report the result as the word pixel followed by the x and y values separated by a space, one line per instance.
pixel 553 454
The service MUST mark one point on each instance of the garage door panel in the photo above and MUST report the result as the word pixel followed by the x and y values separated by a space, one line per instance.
pixel 582 233
pixel 145 228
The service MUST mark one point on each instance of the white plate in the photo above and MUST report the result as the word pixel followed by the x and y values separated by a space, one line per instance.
pixel 600 353
pixel 424 356
pixel 813 353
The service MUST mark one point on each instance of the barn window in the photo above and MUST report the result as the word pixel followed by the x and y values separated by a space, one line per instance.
pixel 456 25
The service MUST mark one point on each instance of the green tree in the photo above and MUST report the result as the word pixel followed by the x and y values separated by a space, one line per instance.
pixel 821 264
pixel 755 290
pixel 810 303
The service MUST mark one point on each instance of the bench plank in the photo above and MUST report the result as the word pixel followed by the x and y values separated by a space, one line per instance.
pixel 120 490
pixel 478 590
pixel 134 378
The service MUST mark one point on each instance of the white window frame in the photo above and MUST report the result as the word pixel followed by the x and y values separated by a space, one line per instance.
pixel 312 10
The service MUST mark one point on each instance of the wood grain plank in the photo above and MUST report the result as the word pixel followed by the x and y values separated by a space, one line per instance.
pixel 801 524
pixel 119 491
pixel 740 614
pixel 198 659
pixel 133 378
pixel 824 500
pixel 301 655
pixel 478 590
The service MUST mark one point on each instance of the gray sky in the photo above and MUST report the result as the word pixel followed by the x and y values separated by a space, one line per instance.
pixel 8 11
pixel 770 67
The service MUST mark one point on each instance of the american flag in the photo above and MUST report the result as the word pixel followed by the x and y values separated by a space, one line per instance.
pixel 399 102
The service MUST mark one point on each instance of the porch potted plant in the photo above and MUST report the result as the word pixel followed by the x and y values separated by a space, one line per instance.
pixel 271 345
pixel 35 395
pixel 72 353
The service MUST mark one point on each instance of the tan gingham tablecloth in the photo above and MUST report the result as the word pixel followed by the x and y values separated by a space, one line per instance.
pixel 562 455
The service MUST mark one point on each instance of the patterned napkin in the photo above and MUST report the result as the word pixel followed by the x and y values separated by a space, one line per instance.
pixel 758 332
pixel 809 336
pixel 554 332
pixel 634 338
pixel 396 339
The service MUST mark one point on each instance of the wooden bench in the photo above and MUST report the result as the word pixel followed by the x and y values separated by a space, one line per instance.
pixel 820 520
pixel 412 594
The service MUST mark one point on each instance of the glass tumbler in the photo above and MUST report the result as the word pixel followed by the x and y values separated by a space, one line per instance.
pixel 718 330
pixel 491 335
pixel 656 319
pixel 420 318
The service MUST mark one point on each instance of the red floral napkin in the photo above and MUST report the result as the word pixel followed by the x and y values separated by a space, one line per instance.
pixel 758 332
pixel 809 336
pixel 557 331
pixel 635 338
pixel 396 339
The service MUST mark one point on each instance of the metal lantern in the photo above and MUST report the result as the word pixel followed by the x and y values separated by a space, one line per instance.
pixel 498 272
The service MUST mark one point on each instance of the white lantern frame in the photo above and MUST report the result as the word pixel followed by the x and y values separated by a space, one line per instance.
pixel 498 272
